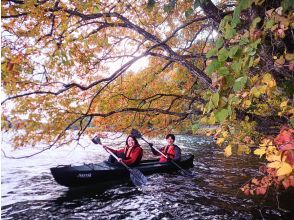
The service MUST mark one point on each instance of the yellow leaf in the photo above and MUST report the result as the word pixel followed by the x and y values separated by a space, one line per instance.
pixel 272 148
pixel 220 140
pixel 291 111
pixel 211 119
pixel 276 164
pixel 254 79
pixel 225 134
pixel 289 56
pixel 273 157
pixel 247 104
pixel 203 120
pixel 262 89
pixel 266 142
pixel 266 78
pixel 228 151
pixel 272 83
pixel 261 151
pixel 243 149
pixel 284 104
pixel 284 169
pixel 256 61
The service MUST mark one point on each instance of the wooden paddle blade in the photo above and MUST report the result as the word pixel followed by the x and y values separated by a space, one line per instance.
pixel 138 177
pixel 96 140
pixel 136 133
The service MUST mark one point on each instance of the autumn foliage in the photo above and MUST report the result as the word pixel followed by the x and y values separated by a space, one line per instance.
pixel 278 172
pixel 67 71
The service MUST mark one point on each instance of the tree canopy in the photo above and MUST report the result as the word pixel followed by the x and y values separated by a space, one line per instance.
pixel 67 66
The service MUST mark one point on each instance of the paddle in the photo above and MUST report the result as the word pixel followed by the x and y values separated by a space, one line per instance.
pixel 137 134
pixel 136 176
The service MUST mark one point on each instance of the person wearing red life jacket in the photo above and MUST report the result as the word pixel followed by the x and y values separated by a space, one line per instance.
pixel 172 151
pixel 131 154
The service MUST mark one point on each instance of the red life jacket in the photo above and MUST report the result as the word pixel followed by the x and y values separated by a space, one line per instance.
pixel 133 155
pixel 128 151
pixel 169 151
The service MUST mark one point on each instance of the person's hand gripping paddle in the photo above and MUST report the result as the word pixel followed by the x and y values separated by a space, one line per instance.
pixel 137 134
pixel 136 176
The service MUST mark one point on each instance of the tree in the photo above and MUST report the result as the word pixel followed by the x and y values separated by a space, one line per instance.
pixel 229 64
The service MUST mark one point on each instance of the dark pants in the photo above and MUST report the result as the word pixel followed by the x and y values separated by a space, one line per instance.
pixel 111 159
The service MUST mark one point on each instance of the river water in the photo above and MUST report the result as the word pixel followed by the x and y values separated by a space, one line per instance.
pixel 28 190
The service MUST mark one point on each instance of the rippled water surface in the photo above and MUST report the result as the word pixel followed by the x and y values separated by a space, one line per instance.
pixel 29 191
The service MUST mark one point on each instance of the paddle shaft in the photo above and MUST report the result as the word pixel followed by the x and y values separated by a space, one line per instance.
pixel 173 162
pixel 112 154
pixel 136 176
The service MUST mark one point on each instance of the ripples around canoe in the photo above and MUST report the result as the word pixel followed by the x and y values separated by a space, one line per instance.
pixel 29 191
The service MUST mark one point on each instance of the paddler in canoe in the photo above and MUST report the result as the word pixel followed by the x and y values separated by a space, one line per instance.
pixel 131 154
pixel 172 151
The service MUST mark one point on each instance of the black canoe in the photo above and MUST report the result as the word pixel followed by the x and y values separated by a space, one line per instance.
pixel 103 173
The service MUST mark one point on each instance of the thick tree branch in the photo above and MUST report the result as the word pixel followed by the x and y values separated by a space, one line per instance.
pixel 152 110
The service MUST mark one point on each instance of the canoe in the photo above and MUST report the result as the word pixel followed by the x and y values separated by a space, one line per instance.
pixel 105 172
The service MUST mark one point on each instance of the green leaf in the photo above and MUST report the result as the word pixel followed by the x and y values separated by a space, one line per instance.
pixel 233 99
pixel 215 99
pixel 245 4
pixel 195 127
pixel 251 52
pixel 96 9
pixel 292 122
pixel 208 107
pixel 269 24
pixel 222 54
pixel 289 88
pixel 230 110
pixel 189 12
pixel 236 17
pixel 167 8
pixel 236 66
pixel 219 43
pixel 255 44
pixel 221 115
pixel 229 80
pixel 211 53
pixel 170 6
pixel 233 51
pixel 229 33
pixel 243 41
pixel 251 62
pixel 287 5
pixel 223 71
pixel 255 22
pixel 240 83
pixel 214 65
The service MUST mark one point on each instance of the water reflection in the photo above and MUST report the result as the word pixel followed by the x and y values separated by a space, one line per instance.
pixel 31 193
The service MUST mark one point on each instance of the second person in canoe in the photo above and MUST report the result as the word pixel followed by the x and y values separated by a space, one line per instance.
pixel 131 154
pixel 172 151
